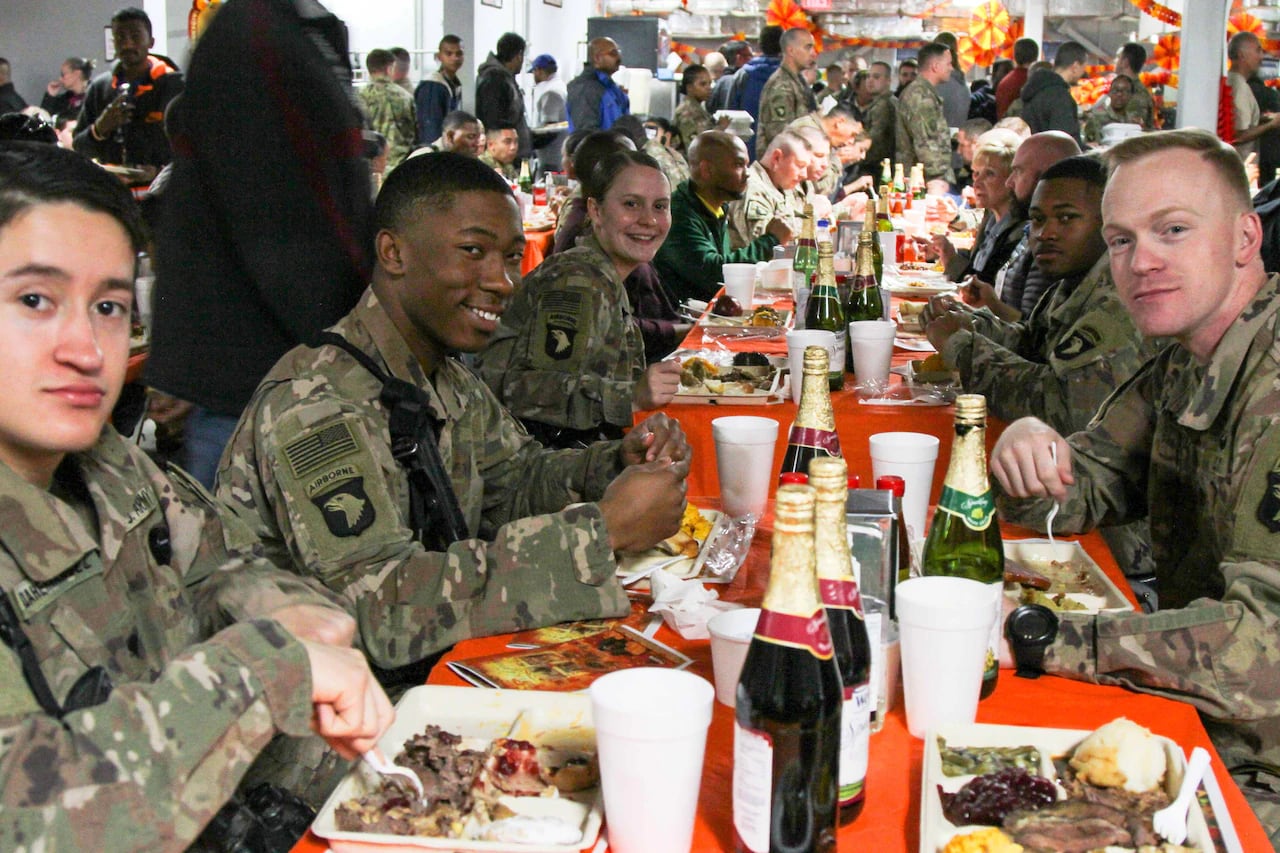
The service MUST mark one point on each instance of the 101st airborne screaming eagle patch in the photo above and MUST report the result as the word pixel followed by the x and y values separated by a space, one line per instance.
pixel 334 487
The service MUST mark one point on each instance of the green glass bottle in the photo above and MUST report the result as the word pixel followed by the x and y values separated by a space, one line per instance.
pixel 825 312
pixel 869 227
pixel 964 540
pixel 805 263
pixel 865 300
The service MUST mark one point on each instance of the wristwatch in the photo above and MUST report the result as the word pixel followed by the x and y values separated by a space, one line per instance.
pixel 1030 629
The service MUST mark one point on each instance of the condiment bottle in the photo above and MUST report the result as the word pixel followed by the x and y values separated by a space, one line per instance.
pixel 902 547
pixel 964 540
pixel 787 715
pixel 839 590
pixel 813 432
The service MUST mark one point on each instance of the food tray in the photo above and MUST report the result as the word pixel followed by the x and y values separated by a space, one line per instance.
pixel 771 393
pixel 717 326
pixel 684 568
pixel 920 286
pixel 936 830
pixel 1035 553
pixel 561 718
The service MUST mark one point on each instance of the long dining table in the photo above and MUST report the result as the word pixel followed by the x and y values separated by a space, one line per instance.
pixel 890 821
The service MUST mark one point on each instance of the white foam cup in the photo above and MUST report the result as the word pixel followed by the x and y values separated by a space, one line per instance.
pixel 945 625
pixel 744 462
pixel 797 340
pixel 730 638
pixel 740 283
pixel 911 456
pixel 651 733
pixel 872 345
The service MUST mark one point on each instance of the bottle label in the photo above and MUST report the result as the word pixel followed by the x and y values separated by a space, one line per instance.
pixel 976 511
pixel 841 593
pixel 810 633
pixel 752 786
pixel 825 440
pixel 855 739
pixel 879 698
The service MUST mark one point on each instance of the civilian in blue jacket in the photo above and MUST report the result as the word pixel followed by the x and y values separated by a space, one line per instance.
pixel 595 101
pixel 440 92
pixel 749 80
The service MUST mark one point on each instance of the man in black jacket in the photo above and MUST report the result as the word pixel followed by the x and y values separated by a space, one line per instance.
pixel 1046 98
pixel 122 118
pixel 499 99
pixel 267 232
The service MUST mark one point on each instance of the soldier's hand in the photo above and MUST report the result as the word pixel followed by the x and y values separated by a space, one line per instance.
pixel 939 306
pixel 350 709
pixel 1023 462
pixel 316 624
pixel 940 187
pixel 780 230
pixel 978 293
pixel 940 329
pixel 659 384
pixel 657 438
pixel 643 505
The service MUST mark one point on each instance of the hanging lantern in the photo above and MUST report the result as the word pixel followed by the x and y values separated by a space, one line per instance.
pixel 989 26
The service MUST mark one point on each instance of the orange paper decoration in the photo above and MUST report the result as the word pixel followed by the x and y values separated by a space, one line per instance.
pixel 1016 30
pixel 1158 11
pixel 786 14
pixel 1168 52
pixel 1243 22
pixel 989 27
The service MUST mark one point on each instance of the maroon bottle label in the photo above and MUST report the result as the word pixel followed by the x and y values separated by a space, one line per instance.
pixel 810 633
pixel 822 439
pixel 840 593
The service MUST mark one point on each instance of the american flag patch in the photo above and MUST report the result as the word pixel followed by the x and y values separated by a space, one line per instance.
pixel 308 454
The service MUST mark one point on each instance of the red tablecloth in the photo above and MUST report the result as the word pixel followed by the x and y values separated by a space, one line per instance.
pixel 536 246
pixel 890 822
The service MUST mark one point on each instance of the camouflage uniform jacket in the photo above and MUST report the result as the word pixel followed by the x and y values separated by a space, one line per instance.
pixel 507 170
pixel 690 119
pixel 1062 362
pixel 392 113
pixel 671 163
pixel 1196 447
pixel 195 698
pixel 1074 348
pixel 1141 108
pixel 1099 117
pixel 537 558
pixel 784 99
pixel 750 215
pixel 568 351
pixel 880 122
pixel 922 134
pixel 828 183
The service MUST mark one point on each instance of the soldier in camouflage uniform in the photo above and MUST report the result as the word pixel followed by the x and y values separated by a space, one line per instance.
pixel 786 96
pixel 823 176
pixel 670 162
pixel 500 152
pixel 770 195
pixel 390 108
pixel 1191 442
pixel 1140 108
pixel 111 567
pixel 568 357
pixel 922 135
pixel 880 116
pixel 311 463
pixel 1109 111
pixel 691 116
pixel 1077 345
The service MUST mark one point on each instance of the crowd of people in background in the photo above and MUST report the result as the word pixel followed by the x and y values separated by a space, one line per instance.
pixel 372 293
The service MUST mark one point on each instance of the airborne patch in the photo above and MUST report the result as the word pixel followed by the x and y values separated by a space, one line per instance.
pixel 1076 344
pixel 346 507
pixel 559 313
pixel 1269 505
pixel 559 342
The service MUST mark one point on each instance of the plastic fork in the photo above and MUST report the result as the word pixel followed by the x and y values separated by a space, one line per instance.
pixel 1171 821
pixel 376 760
pixel 1053 513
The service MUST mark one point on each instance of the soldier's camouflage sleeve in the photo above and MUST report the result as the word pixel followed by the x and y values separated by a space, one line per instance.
pixel 736 222
pixel 1223 657
pixel 782 101
pixel 525 570
pixel 922 133
pixel 1006 334
pixel 692 118
pixel 149 767
pixel 880 123
pixel 568 352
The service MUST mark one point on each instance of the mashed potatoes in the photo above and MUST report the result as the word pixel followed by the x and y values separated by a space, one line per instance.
pixel 1121 754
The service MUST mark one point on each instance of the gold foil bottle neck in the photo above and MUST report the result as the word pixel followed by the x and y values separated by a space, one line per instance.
pixel 971 410
pixel 793 509
pixel 829 475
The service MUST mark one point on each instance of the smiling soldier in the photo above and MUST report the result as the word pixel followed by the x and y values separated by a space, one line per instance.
pixel 381 466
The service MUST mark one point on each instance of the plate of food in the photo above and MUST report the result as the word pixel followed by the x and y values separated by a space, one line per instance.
pixel 917 286
pixel 1059 575
pixel 505 770
pixel 726 318
pixel 742 378
pixel 986 788
pixel 677 555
